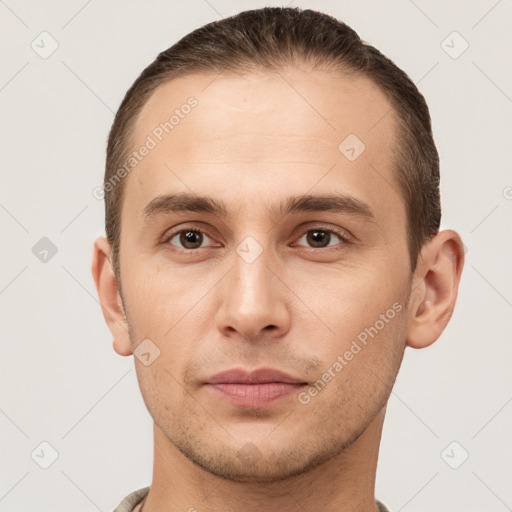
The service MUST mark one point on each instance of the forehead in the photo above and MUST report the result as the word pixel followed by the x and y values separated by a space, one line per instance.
pixel 257 136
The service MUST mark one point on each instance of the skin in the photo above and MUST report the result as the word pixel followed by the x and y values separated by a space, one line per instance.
pixel 252 141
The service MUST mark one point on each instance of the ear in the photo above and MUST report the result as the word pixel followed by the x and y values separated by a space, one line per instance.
pixel 434 288
pixel 110 297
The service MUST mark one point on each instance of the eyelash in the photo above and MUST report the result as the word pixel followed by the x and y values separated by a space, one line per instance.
pixel 340 234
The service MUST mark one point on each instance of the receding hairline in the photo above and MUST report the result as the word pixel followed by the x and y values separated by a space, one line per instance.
pixel 130 142
pixel 265 39
pixel 337 71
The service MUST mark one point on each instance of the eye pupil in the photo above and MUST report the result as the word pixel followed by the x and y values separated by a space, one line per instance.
pixel 194 238
pixel 191 237
pixel 316 237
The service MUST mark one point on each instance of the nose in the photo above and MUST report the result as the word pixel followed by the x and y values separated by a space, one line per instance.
pixel 254 301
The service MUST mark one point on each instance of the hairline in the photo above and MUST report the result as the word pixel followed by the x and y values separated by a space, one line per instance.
pixel 400 134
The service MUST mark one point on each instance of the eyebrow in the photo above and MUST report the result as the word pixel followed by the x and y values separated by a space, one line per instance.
pixel 182 202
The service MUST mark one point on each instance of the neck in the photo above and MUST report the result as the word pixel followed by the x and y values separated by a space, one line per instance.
pixel 344 483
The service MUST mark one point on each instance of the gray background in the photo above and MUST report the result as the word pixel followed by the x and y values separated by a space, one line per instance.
pixel 63 384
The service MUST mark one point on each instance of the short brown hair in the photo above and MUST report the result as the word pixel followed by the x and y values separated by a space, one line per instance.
pixel 267 39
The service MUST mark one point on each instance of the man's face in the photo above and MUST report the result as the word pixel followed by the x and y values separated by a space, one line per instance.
pixel 320 294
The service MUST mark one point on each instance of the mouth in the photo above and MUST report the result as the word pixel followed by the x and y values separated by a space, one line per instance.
pixel 253 389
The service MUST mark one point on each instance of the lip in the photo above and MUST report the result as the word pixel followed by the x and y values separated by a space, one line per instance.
pixel 259 376
pixel 253 389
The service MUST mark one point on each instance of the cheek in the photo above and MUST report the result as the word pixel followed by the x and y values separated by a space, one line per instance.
pixel 360 366
pixel 346 302
pixel 367 317
pixel 160 295
pixel 167 307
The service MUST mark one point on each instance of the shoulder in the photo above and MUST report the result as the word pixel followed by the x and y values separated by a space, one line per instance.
pixel 382 507
pixel 129 503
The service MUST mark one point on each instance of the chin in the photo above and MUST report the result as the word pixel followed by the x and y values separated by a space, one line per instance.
pixel 251 465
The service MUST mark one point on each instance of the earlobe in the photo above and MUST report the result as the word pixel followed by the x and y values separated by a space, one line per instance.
pixel 109 296
pixel 435 287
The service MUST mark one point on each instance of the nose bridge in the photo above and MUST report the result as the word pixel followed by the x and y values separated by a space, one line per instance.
pixel 253 301
pixel 251 273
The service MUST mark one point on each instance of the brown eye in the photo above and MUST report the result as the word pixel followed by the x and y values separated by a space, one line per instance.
pixel 318 238
pixel 189 238
pixel 322 238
